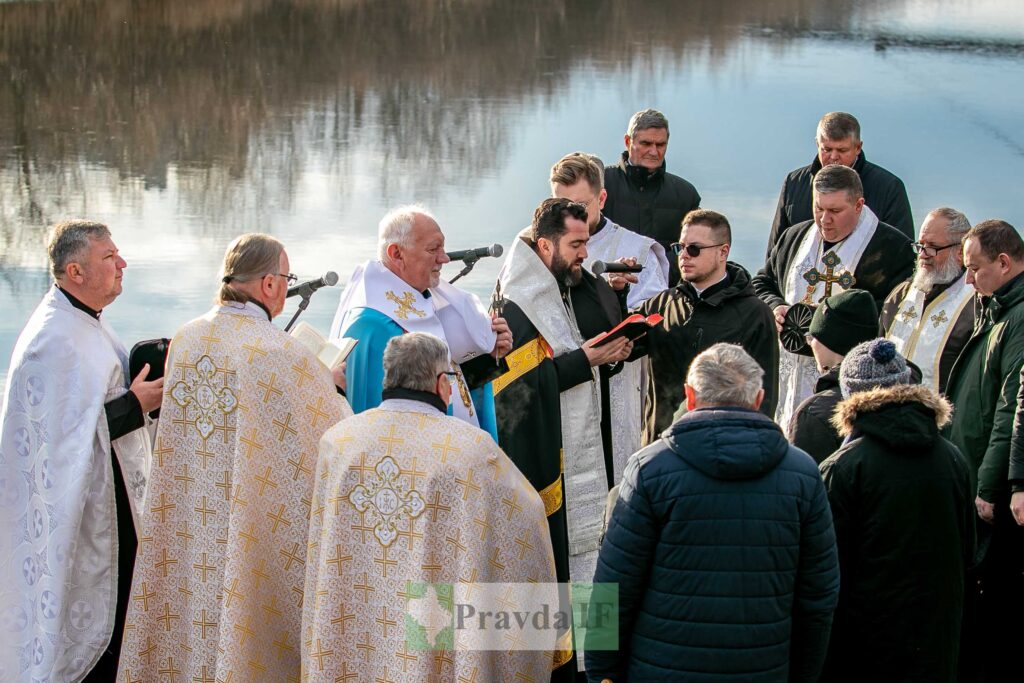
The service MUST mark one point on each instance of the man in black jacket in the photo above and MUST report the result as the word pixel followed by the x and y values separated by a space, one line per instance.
pixel 901 502
pixel 642 196
pixel 713 303
pixel 841 322
pixel 838 140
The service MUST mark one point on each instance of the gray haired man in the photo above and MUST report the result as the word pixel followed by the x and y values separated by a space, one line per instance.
pixel 642 195
pixel 931 316
pixel 722 495
pixel 839 142
pixel 73 470
pixel 448 505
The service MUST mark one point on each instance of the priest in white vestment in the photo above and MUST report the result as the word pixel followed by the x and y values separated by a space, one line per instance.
pixel 931 317
pixel 402 291
pixel 409 503
pixel 74 460
pixel 580 177
pixel 844 247
pixel 219 579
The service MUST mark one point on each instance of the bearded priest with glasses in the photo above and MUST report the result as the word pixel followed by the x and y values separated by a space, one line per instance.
pixel 931 316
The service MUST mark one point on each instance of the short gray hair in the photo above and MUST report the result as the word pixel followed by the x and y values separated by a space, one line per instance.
pixel 68 240
pixel 396 226
pixel 725 375
pixel 958 223
pixel 413 361
pixel 838 125
pixel 838 178
pixel 648 118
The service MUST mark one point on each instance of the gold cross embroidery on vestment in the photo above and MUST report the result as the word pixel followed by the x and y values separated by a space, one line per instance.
pixel 386 502
pixel 405 305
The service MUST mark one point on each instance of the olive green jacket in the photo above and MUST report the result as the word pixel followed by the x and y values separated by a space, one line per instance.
pixel 983 388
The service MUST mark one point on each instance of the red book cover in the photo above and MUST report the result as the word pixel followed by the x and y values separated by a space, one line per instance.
pixel 633 327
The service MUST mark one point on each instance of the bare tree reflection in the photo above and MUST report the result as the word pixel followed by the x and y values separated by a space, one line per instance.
pixel 237 99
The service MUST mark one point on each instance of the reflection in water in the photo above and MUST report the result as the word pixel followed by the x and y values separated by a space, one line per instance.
pixel 239 98
pixel 184 123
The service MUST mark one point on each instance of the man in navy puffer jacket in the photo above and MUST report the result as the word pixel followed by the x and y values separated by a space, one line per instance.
pixel 722 544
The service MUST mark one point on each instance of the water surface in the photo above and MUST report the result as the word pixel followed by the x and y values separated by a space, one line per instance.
pixel 183 124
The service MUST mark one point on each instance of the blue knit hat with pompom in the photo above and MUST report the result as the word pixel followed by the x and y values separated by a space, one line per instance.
pixel 870 365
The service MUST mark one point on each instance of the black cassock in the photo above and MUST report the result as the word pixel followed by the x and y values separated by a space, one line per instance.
pixel 529 414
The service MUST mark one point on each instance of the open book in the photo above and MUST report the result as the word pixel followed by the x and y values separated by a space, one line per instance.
pixel 330 353
pixel 632 328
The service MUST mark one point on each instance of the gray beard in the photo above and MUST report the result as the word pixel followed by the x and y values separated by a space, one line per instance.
pixel 924 280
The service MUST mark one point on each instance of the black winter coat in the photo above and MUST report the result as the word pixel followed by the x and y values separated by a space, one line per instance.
pixel 811 429
pixel 904 516
pixel 728 312
pixel 652 204
pixel 722 544
pixel 884 194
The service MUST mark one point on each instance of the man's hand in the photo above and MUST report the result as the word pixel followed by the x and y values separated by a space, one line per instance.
pixel 503 344
pixel 780 316
pixel 1017 507
pixel 338 375
pixel 986 510
pixel 619 281
pixel 149 394
pixel 612 352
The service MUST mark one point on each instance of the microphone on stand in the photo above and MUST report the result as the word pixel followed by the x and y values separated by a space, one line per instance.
pixel 599 267
pixel 305 289
pixel 494 250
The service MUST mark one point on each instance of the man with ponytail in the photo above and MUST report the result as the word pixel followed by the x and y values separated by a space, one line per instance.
pixel 221 568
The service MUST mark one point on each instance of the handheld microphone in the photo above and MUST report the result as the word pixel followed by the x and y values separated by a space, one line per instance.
pixel 478 253
pixel 305 289
pixel 599 267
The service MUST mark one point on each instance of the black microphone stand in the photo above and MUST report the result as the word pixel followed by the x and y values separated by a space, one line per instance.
pixel 302 306
pixel 468 262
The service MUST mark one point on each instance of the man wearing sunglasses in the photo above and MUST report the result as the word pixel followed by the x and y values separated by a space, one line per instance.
pixel 714 302
pixel 931 316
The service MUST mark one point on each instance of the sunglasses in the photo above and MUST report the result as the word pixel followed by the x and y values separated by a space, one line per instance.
pixel 692 250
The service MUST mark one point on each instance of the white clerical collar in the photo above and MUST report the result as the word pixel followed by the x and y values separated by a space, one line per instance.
pixel 700 291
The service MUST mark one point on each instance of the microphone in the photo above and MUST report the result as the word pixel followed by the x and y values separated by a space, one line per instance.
pixel 478 253
pixel 599 267
pixel 305 289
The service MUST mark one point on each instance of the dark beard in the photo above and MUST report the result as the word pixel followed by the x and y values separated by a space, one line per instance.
pixel 563 272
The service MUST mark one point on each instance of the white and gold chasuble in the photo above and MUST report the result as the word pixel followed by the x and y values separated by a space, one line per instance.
pixel 406 494
pixel 814 275
pixel 920 333
pixel 218 585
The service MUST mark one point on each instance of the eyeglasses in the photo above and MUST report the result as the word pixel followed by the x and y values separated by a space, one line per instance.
pixel 691 249
pixel 289 277
pixel 451 374
pixel 929 250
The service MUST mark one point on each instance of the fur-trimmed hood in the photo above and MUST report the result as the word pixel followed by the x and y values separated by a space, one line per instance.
pixel 902 415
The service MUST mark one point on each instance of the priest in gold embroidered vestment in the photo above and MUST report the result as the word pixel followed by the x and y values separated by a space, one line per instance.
pixel 218 586
pixel 409 503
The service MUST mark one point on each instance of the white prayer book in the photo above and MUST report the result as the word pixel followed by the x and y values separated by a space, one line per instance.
pixel 330 353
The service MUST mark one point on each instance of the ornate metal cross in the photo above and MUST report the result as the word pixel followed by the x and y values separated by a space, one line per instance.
pixel 814 276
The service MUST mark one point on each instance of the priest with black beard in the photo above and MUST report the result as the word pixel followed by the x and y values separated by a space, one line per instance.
pixel 844 247
pixel 554 394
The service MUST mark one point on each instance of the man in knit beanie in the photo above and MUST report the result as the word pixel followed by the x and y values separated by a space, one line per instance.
pixel 902 505
pixel 841 322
